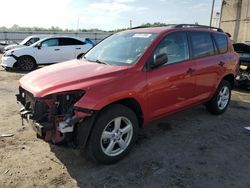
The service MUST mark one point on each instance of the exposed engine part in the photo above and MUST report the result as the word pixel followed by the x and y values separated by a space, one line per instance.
pixel 68 125
pixel 52 117
pixel 243 77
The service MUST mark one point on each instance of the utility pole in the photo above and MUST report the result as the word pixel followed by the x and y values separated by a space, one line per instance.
pixel 77 24
pixel 130 24
pixel 212 12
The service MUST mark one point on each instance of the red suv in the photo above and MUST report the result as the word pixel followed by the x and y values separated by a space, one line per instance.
pixel 128 80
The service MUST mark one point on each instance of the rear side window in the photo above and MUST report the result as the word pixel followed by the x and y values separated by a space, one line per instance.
pixel 202 44
pixel 70 41
pixel 221 42
pixel 175 46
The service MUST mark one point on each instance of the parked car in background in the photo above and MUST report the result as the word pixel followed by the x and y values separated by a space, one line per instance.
pixel 243 78
pixel 26 42
pixel 3 44
pixel 46 51
pixel 126 81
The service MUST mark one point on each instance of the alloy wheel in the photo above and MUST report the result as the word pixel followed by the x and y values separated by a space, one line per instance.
pixel 223 97
pixel 26 64
pixel 116 136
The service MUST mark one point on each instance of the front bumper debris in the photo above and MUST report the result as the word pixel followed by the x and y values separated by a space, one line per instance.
pixel 51 120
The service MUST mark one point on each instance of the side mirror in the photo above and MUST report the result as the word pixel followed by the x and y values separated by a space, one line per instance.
pixel 160 59
pixel 38 46
pixel 80 56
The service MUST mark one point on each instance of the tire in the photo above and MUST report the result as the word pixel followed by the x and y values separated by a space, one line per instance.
pixel 26 63
pixel 220 101
pixel 109 142
pixel 8 69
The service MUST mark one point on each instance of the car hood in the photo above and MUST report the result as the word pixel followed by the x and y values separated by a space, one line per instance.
pixel 67 76
pixel 12 46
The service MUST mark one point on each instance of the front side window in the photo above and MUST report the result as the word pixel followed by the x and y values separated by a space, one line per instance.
pixel 50 42
pixel 175 46
pixel 121 49
pixel 202 44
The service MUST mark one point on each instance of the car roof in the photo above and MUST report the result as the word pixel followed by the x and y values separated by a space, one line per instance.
pixel 34 36
pixel 62 36
pixel 176 27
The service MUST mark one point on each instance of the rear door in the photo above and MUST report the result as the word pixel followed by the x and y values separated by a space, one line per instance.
pixel 67 48
pixel 82 47
pixel 207 60
pixel 171 86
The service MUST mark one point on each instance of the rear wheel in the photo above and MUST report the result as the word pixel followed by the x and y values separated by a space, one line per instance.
pixel 26 63
pixel 114 134
pixel 218 104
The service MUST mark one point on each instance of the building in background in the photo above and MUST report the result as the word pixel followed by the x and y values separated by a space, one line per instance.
pixel 235 19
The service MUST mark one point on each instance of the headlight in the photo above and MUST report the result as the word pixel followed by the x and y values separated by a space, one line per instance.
pixel 8 53
pixel 65 101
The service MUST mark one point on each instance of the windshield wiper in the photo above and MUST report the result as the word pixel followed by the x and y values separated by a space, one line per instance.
pixel 100 62
pixel 96 61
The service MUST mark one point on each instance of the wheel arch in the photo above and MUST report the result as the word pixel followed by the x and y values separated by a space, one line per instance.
pixel 16 63
pixel 133 104
pixel 86 131
pixel 230 79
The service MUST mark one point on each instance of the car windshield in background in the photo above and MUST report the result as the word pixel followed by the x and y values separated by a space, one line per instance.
pixel 30 40
pixel 24 41
pixel 121 49
pixel 242 47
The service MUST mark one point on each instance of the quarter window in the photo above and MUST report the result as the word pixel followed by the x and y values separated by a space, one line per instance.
pixel 175 46
pixel 202 44
pixel 221 42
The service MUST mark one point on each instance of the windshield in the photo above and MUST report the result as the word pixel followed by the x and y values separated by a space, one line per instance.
pixel 29 40
pixel 121 48
pixel 24 41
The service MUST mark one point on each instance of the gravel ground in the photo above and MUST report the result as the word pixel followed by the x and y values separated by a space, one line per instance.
pixel 188 149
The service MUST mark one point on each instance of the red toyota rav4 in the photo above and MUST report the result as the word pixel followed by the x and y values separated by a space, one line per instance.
pixel 128 80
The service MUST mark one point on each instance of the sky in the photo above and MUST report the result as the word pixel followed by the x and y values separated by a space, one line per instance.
pixel 103 14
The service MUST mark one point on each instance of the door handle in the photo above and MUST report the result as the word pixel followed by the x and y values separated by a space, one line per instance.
pixel 221 63
pixel 78 48
pixel 190 71
pixel 57 49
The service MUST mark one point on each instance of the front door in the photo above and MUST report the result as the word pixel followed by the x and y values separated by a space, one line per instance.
pixel 48 52
pixel 172 85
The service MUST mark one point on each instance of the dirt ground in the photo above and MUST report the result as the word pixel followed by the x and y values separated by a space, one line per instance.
pixel 190 149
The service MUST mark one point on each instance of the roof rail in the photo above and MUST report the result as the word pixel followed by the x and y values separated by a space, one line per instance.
pixel 167 25
pixel 197 26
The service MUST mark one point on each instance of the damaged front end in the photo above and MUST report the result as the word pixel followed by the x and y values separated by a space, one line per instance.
pixel 54 117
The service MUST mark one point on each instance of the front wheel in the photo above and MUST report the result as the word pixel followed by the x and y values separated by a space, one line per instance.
pixel 114 134
pixel 26 63
pixel 218 104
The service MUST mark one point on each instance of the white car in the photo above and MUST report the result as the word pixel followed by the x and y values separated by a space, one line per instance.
pixel 46 51
pixel 25 42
